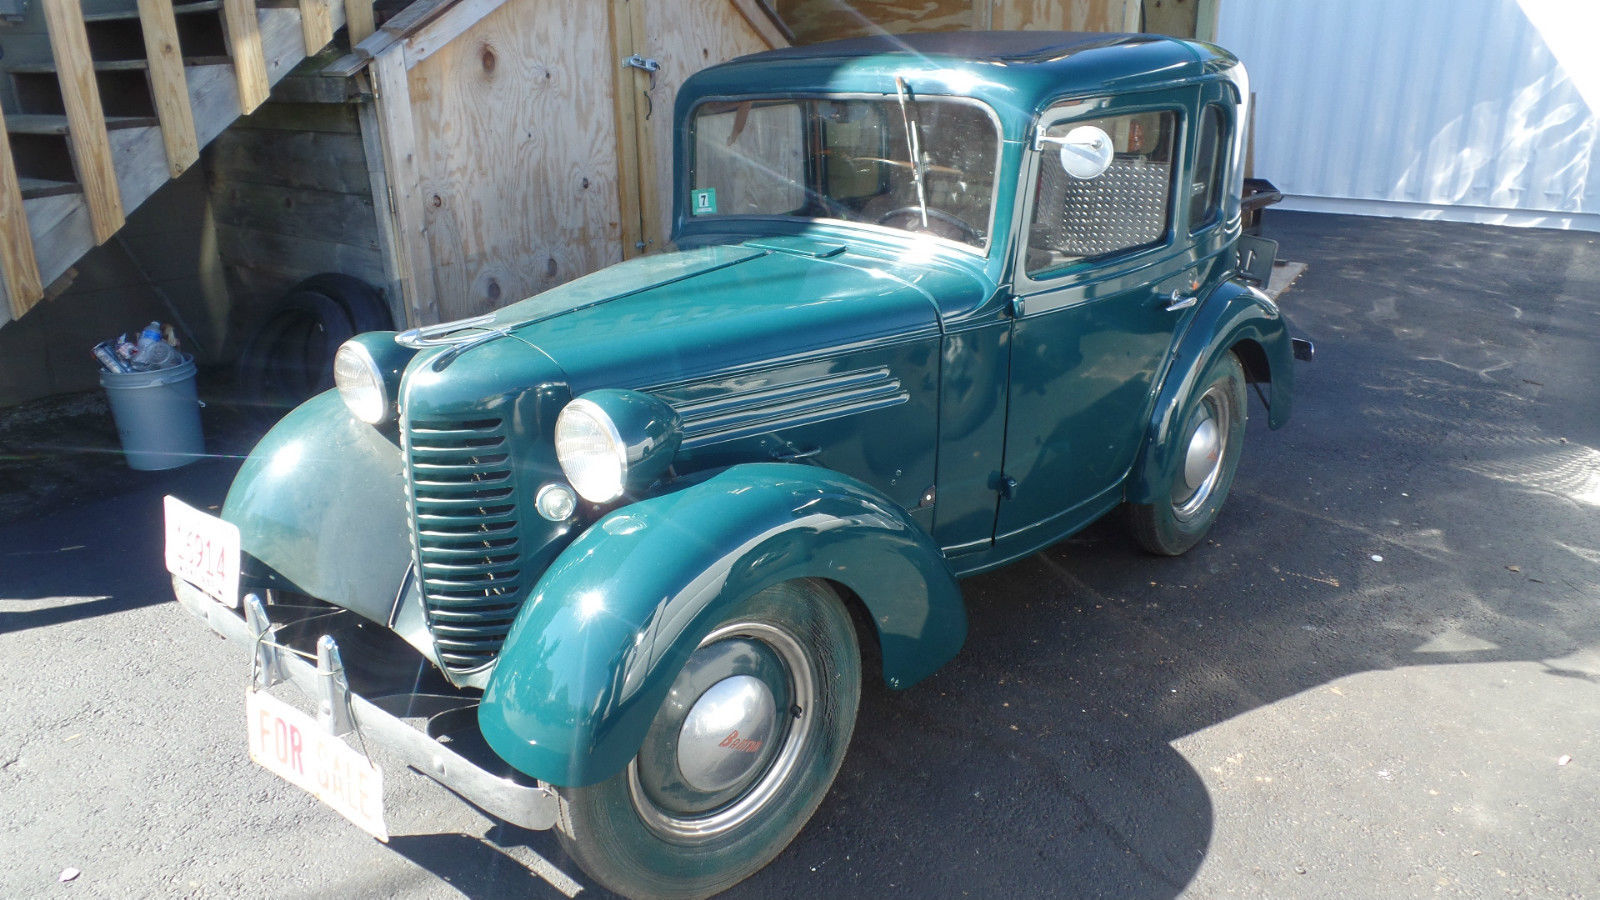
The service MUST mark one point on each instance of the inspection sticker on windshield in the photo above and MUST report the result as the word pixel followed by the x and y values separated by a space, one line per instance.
pixel 203 550
pixel 703 201
pixel 290 744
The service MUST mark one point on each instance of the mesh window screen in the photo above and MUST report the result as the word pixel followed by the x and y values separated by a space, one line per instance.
pixel 1126 206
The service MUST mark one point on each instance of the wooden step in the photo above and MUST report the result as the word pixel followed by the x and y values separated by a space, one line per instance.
pixel 43 124
pixel 117 65
pixel 34 188
pixel 132 15
pixel 58 209
pixel 128 34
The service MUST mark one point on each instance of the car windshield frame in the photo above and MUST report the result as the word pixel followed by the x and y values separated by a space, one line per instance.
pixel 689 220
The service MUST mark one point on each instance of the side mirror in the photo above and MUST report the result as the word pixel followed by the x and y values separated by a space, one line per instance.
pixel 1086 151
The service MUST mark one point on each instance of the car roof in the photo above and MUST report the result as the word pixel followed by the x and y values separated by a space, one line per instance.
pixel 990 46
pixel 1016 72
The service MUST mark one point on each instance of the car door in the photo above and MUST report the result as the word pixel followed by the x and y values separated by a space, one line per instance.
pixel 1104 282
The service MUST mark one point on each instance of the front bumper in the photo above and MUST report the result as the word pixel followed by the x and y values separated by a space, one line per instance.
pixel 531 806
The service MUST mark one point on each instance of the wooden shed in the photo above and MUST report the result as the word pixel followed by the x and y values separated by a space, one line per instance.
pixel 457 154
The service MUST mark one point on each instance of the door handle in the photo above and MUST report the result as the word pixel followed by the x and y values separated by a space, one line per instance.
pixel 1179 301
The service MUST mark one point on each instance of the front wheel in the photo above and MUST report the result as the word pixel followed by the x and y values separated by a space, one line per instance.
pixel 738 757
pixel 1202 463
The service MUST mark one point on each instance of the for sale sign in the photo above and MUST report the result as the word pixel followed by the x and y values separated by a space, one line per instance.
pixel 291 745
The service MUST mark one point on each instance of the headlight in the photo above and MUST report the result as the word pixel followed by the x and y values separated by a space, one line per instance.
pixel 360 383
pixel 610 442
pixel 366 370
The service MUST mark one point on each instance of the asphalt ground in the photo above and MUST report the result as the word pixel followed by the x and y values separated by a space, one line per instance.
pixel 1380 677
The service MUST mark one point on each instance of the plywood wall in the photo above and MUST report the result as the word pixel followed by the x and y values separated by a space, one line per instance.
pixel 685 36
pixel 822 20
pixel 516 154
pixel 1066 15
pixel 1181 18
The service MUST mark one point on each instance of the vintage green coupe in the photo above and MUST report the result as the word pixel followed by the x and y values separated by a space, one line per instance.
pixel 938 301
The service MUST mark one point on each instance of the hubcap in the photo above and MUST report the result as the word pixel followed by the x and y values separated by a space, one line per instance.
pixel 1203 453
pixel 729 734
pixel 722 737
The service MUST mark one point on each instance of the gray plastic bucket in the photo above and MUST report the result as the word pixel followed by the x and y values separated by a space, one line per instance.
pixel 157 415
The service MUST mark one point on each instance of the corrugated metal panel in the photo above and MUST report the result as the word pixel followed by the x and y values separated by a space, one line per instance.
pixel 1484 110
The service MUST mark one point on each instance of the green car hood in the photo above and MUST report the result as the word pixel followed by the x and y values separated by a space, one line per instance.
pixel 673 316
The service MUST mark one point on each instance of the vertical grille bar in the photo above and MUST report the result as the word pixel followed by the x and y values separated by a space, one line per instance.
pixel 469 546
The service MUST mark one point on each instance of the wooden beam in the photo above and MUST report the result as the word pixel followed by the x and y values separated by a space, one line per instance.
pixel 21 267
pixel 755 12
pixel 316 24
pixel 419 13
pixel 398 132
pixel 1173 19
pixel 1205 20
pixel 409 21
pixel 168 84
pixel 1132 16
pixel 244 46
pixel 983 15
pixel 433 36
pixel 358 13
pixel 647 156
pixel 388 236
pixel 624 96
pixel 91 148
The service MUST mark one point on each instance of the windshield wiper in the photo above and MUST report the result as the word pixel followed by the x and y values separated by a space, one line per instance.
pixel 913 126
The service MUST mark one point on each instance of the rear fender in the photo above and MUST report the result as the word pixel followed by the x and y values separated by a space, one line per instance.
pixel 1232 316
pixel 597 645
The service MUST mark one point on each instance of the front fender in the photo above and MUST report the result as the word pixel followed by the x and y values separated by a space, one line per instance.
pixel 1232 314
pixel 321 505
pixel 595 648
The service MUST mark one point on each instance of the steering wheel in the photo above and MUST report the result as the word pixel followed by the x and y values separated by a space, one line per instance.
pixel 940 223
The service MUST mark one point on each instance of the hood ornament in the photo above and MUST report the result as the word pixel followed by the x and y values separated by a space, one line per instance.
pixel 461 335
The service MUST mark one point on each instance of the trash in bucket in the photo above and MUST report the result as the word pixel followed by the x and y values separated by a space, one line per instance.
pixel 151 389
pixel 155 348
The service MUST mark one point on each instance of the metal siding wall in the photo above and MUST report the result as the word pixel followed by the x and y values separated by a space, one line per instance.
pixel 1432 108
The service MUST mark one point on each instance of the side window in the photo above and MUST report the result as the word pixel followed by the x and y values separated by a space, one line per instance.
pixel 1205 193
pixel 1126 206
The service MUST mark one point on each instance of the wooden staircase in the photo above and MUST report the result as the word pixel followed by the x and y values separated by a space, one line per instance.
pixel 126 104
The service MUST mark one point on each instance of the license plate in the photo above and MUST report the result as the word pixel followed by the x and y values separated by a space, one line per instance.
pixel 203 550
pixel 293 746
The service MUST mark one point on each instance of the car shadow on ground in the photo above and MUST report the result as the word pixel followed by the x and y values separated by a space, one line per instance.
pixel 511 863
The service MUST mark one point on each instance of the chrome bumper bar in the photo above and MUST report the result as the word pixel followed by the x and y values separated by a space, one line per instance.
pixel 341 711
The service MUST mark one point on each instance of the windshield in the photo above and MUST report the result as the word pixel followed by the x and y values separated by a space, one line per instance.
pixel 850 160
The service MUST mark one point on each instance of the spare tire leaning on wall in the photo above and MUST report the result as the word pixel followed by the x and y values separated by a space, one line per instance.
pixel 289 357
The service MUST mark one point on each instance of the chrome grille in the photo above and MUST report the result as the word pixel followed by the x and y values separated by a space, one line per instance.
pixel 787 404
pixel 469 545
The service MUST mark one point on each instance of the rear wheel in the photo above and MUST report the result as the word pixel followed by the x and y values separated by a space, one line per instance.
pixel 1203 462
pixel 738 757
